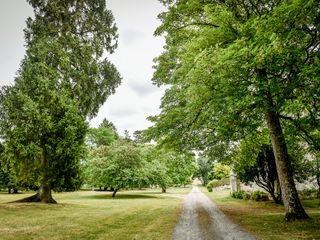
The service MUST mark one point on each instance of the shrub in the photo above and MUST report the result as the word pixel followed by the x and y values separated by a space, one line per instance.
pixel 240 195
pixel 256 195
pixel 211 185
pixel 259 196
pixel 217 183
pixel 308 194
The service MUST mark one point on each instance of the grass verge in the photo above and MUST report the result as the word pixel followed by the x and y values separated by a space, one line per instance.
pixel 265 219
pixel 92 215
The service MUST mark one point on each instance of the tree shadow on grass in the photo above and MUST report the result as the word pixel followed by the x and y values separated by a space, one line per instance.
pixel 119 196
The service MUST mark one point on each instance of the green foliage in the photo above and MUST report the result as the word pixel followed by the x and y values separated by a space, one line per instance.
pixel 174 168
pixel 309 194
pixel 219 171
pixel 101 136
pixel 63 79
pixel 204 166
pixel 263 172
pixel 259 196
pixel 117 166
pixel 217 183
pixel 240 195
pixel 181 167
pixel 155 167
pixel 232 69
pixel 107 124
pixel 75 35
pixel 256 195
pixel 214 52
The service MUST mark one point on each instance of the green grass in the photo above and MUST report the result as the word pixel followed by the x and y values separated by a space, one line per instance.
pixel 265 219
pixel 144 214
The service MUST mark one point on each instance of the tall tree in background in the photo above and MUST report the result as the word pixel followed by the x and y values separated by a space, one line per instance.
pixel 62 81
pixel 234 67
pixel 108 124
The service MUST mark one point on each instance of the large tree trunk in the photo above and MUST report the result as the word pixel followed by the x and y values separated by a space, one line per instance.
pixel 44 193
pixel 45 187
pixel 290 198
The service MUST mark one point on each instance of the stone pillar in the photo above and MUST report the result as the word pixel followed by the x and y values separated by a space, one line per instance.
pixel 234 182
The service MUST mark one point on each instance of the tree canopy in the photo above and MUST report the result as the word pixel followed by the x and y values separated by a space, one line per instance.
pixel 63 80
pixel 234 68
pixel 117 166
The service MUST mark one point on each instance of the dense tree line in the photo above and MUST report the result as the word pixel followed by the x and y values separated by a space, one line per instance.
pixel 124 163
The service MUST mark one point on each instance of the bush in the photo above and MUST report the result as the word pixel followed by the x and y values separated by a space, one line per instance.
pixel 217 183
pixel 306 194
pixel 256 195
pixel 259 196
pixel 211 185
pixel 240 195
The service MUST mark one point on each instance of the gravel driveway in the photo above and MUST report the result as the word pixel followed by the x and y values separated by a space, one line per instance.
pixel 202 220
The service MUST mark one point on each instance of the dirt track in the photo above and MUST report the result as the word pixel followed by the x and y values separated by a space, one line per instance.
pixel 202 220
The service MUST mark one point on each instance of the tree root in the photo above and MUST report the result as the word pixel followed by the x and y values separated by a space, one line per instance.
pixel 35 198
pixel 290 217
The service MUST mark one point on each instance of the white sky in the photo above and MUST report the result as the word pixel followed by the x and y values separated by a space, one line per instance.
pixel 136 98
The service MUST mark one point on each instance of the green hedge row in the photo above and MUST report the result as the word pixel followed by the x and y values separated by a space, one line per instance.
pixel 256 195
pixel 217 183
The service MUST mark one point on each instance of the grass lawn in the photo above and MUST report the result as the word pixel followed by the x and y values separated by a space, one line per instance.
pixel 145 214
pixel 265 219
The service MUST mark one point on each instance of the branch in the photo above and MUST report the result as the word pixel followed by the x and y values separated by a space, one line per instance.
pixel 309 139
pixel 196 24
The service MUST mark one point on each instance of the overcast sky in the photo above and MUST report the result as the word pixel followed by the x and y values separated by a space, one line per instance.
pixel 136 98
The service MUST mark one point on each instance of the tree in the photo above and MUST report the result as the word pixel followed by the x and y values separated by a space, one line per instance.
pixel 126 136
pixel 62 81
pixel 203 169
pixel 155 169
pixel 263 173
pixel 101 136
pixel 7 180
pixel 108 124
pixel 181 166
pixel 219 171
pixel 116 166
pixel 166 167
pixel 235 68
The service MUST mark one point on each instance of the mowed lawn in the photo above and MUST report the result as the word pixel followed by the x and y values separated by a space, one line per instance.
pixel 145 214
pixel 265 219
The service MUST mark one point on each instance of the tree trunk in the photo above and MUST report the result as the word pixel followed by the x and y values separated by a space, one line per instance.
pixel 291 201
pixel 45 187
pixel 115 192
pixel 44 194
pixel 318 177
pixel 164 190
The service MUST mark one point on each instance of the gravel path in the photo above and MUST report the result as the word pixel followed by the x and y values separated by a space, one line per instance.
pixel 202 220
